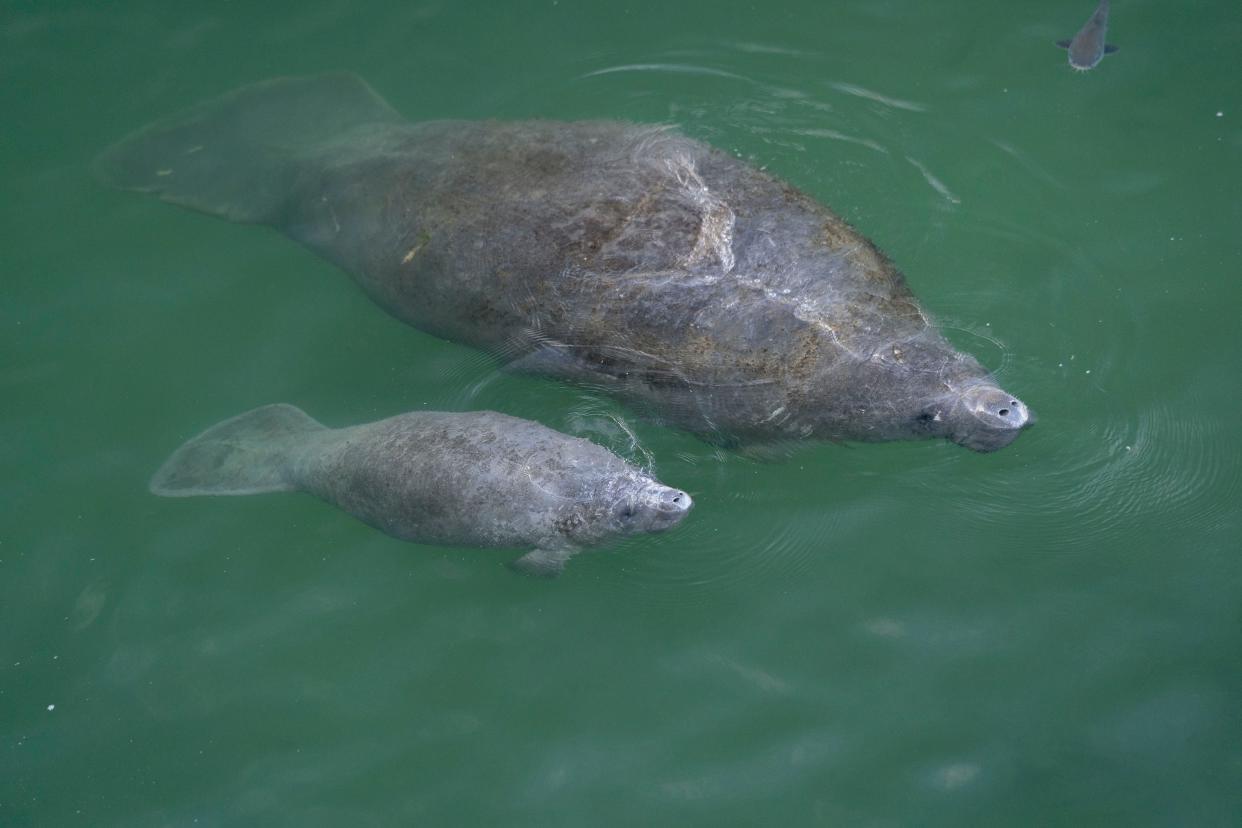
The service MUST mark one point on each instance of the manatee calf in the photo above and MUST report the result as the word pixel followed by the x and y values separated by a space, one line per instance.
pixel 478 479
pixel 627 257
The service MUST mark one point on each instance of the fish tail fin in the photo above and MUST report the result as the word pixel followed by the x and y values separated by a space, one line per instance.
pixel 247 454
pixel 235 156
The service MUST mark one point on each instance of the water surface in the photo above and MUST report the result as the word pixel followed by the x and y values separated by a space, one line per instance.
pixel 905 634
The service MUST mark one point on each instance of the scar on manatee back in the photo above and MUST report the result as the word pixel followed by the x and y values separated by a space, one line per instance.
pixel 1088 47
pixel 423 238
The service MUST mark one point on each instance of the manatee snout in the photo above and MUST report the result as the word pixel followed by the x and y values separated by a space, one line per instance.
pixel 987 418
pixel 654 509
pixel 673 504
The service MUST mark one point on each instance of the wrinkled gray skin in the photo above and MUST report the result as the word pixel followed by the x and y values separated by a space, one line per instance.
pixel 627 257
pixel 478 479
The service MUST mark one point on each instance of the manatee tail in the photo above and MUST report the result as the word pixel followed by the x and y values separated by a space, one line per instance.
pixel 235 156
pixel 247 454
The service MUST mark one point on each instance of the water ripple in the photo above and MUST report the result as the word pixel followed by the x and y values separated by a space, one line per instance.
pixel 1112 468
pixel 783 539
pixel 862 92
pixel 676 68
pixel 934 182
pixel 820 132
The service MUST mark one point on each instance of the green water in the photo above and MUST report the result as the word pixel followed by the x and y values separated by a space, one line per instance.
pixel 878 635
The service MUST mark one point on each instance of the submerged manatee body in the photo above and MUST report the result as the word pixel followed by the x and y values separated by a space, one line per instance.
pixel 475 479
pixel 629 257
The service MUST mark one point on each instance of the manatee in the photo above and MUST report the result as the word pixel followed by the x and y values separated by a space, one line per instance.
pixel 478 479
pixel 626 257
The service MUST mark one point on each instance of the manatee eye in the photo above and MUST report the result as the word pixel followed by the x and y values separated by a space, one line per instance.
pixel 625 511
pixel 927 419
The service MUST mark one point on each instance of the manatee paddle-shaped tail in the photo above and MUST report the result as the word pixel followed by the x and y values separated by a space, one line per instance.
pixel 248 454
pixel 235 155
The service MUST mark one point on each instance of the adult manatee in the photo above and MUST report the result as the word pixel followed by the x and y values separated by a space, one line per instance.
pixel 629 257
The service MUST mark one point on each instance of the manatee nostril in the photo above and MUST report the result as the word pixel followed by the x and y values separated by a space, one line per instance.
pixel 1014 403
pixel 676 501
pixel 1004 412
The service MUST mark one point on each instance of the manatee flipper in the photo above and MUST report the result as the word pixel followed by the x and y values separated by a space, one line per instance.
pixel 769 452
pixel 236 156
pixel 247 454
pixel 1064 44
pixel 553 360
pixel 543 563
pixel 1109 49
